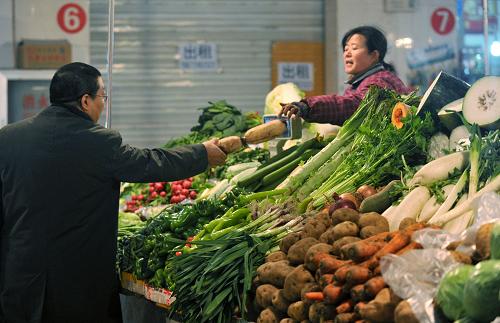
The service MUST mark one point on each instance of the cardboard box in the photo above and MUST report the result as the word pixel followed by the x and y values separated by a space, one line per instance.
pixel 43 54
pixel 131 283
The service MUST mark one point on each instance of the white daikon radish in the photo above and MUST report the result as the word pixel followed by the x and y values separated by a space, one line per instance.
pixel 482 102
pixel 410 206
pixel 492 186
pixel 459 224
pixel 440 169
pixel 459 138
pixel 453 195
pixel 431 206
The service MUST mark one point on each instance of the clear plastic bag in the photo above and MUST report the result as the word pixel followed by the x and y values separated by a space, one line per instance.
pixel 415 276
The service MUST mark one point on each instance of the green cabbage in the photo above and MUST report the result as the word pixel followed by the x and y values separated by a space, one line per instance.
pixel 495 242
pixel 450 292
pixel 481 293
pixel 283 93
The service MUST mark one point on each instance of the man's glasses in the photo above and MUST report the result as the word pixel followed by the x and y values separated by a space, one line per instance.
pixel 104 97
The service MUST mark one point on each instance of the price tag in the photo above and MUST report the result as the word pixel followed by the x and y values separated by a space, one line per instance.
pixel 198 56
pixel 159 295
pixel 71 18
pixel 300 73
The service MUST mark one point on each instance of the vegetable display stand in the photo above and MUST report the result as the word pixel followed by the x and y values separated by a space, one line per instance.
pixel 161 296
pixel 131 283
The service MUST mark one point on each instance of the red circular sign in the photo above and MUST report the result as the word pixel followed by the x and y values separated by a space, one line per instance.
pixel 443 21
pixel 71 18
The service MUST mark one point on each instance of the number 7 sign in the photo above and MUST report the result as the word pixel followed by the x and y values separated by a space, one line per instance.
pixel 442 21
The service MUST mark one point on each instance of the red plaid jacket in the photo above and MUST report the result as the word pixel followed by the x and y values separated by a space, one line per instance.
pixel 336 109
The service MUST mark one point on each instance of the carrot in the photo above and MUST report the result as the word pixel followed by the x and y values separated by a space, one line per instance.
pixel 333 294
pixel 361 250
pixel 358 275
pixel 340 274
pixel 377 271
pixel 382 236
pixel 345 307
pixel 414 227
pixel 373 286
pixel 314 296
pixel 357 293
pixel 359 306
pixel 371 263
pixel 412 245
pixel 325 280
pixel 328 265
pixel 400 240
pixel 318 257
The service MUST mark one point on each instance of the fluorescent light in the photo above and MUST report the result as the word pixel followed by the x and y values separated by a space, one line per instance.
pixel 495 48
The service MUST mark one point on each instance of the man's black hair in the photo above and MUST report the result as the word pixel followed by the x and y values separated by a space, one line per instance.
pixel 72 81
pixel 375 40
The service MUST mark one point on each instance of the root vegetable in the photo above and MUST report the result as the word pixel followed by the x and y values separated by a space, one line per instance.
pixel 461 257
pixel 411 246
pixel 370 231
pixel 399 241
pixel 327 236
pixel 366 190
pixel 280 302
pixel 344 229
pixel 333 294
pixel 288 320
pixel 324 217
pixel 373 218
pixel 297 252
pixel 361 250
pixel 381 309
pixel 357 275
pixel 319 311
pixel 265 132
pixel 337 245
pixel 350 197
pixel 289 241
pixel 269 315
pixel 345 318
pixel 406 222
pixel 357 294
pixel 344 214
pixel 325 280
pixel 439 169
pixel 410 206
pixel 373 286
pixel 298 311
pixel 483 239
pixel 264 295
pixel 276 256
pixel 230 144
pixel 295 281
pixel 341 273
pixel 313 228
pixel 309 287
pixel 314 255
pixel 330 265
pixel 404 314
pixel 345 307
pixel 274 272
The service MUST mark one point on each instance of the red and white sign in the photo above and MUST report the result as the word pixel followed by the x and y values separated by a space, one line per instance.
pixel 443 21
pixel 71 18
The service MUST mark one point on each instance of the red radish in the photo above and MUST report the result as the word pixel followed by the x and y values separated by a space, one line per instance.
pixel 178 253
pixel 151 184
pixel 192 195
pixel 182 197
pixel 154 195
pixel 151 189
pixel 189 239
pixel 185 191
pixel 186 184
pixel 177 192
pixel 140 197
pixel 175 199
pixel 158 186
pixel 163 193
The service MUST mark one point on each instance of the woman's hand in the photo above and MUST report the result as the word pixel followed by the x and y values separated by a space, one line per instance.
pixel 294 109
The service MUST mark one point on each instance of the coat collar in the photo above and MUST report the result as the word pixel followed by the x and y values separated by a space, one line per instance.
pixel 74 110
pixel 360 77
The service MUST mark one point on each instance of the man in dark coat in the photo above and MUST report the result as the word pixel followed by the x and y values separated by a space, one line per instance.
pixel 60 175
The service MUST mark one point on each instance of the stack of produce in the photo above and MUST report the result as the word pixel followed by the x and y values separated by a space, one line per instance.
pixel 329 271
pixel 217 120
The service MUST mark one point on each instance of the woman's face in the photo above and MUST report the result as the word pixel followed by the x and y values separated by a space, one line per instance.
pixel 357 59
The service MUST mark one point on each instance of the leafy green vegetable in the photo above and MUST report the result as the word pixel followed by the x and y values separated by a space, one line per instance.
pixel 451 292
pixel 481 292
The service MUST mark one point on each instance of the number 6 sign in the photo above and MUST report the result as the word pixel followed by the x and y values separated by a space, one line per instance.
pixel 71 18
pixel 443 21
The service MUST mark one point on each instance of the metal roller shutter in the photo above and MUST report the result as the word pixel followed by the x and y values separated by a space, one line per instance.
pixel 154 100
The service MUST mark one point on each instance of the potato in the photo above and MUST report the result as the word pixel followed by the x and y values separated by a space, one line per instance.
pixel 461 257
pixel 310 262
pixel 375 219
pixel 320 312
pixel 264 295
pixel 327 236
pixel 324 217
pixel 288 241
pixel 274 272
pixel 345 229
pixel 337 245
pixel 269 315
pixel 381 309
pixel 256 282
pixel 298 311
pixel 370 230
pixel 297 252
pixel 483 238
pixel 404 314
pixel 406 223
pixel 280 302
pixel 288 320
pixel 276 256
pixel 313 228
pixel 295 281
pixel 344 214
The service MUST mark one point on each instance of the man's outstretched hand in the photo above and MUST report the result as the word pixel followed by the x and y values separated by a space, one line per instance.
pixel 215 155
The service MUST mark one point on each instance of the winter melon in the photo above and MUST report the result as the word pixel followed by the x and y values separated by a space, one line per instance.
pixel 482 103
